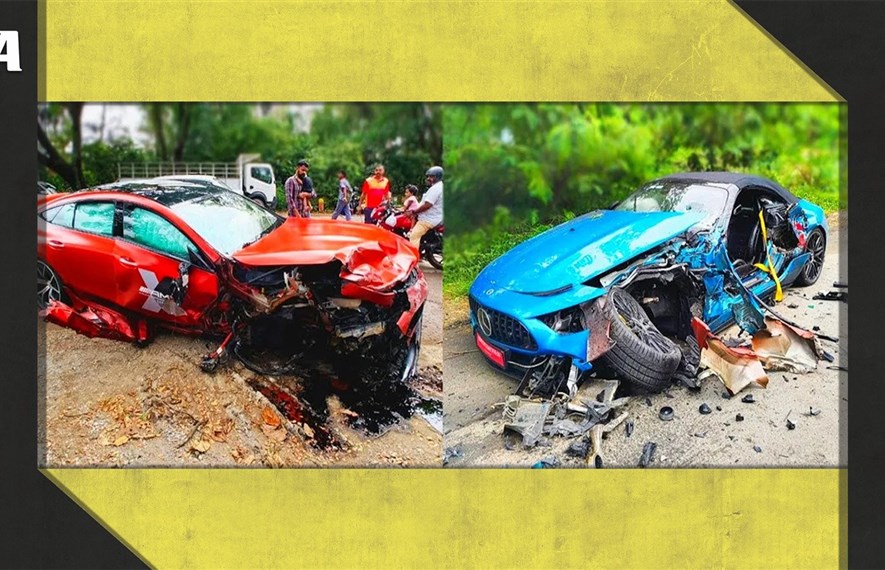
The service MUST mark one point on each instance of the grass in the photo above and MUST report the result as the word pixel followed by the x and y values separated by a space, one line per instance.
pixel 828 199
pixel 465 263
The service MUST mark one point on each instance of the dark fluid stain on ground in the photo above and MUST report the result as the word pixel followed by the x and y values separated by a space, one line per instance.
pixel 381 406
pixel 377 406
pixel 298 411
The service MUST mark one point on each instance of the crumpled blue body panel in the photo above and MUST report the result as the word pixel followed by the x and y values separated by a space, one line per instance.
pixel 575 262
pixel 581 249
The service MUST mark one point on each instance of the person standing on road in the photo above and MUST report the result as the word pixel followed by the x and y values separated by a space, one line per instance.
pixel 308 192
pixel 293 188
pixel 344 192
pixel 299 190
pixel 376 189
pixel 430 213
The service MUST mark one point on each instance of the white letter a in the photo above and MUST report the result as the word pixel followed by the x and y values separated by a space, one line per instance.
pixel 9 50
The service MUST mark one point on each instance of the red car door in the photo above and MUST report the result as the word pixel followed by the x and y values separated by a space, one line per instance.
pixel 154 276
pixel 79 246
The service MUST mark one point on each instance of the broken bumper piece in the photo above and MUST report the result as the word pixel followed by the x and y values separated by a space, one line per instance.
pixel 96 322
pixel 778 346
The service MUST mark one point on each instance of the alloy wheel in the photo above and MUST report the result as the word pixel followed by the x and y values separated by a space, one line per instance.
pixel 816 247
pixel 48 285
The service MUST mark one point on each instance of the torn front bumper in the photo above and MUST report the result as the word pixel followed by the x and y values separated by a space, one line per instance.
pixel 517 342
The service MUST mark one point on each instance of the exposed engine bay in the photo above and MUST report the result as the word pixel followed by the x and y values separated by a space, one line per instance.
pixel 282 320
pixel 649 328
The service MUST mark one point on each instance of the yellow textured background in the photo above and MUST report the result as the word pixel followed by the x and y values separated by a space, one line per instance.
pixel 468 518
pixel 441 51
pixel 111 50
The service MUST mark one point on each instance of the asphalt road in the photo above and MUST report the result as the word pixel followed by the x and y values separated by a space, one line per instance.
pixel 474 426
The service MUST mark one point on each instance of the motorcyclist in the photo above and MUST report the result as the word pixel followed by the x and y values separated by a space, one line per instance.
pixel 429 213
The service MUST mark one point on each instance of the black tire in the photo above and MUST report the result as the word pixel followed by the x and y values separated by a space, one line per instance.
pixel 393 359
pixel 432 248
pixel 409 365
pixel 434 256
pixel 641 354
pixel 49 285
pixel 817 247
pixel 259 199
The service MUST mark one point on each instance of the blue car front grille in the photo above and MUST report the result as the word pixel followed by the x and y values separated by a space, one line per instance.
pixel 505 329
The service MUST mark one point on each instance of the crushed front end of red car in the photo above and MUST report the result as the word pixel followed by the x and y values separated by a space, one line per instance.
pixel 306 294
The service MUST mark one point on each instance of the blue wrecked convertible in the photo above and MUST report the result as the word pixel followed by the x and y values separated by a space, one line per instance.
pixel 623 290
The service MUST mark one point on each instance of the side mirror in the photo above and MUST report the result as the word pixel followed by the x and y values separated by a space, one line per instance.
pixel 197 258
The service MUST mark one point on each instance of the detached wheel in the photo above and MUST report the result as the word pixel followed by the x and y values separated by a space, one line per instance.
pixel 49 286
pixel 817 247
pixel 641 354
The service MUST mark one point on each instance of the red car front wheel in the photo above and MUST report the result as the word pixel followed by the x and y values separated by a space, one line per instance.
pixel 48 285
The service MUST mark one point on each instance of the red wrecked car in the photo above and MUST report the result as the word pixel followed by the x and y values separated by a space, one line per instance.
pixel 121 261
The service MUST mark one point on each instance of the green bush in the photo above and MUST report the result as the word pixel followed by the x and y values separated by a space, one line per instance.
pixel 515 169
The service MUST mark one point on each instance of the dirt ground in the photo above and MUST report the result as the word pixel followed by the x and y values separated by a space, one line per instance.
pixel 474 425
pixel 110 404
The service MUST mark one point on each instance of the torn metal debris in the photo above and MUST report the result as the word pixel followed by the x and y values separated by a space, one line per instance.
pixel 527 418
pixel 561 416
pixel 737 368
pixel 832 296
pixel 597 432
pixel 784 347
pixel 777 346
pixel 648 454
pixel 451 453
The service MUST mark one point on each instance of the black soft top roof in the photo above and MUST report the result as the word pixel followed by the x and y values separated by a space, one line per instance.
pixel 737 179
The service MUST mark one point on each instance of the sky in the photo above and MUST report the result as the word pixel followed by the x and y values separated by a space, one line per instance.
pixel 126 121
pixel 121 121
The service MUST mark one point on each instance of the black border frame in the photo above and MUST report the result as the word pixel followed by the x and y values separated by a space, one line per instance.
pixel 841 41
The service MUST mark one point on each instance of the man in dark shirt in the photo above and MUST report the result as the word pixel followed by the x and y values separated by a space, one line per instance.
pixel 299 189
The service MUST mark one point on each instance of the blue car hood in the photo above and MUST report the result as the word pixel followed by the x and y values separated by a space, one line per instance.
pixel 581 249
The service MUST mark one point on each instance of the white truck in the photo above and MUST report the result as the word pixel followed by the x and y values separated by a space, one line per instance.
pixel 255 180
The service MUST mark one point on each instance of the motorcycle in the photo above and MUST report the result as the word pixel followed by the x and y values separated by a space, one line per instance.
pixel 398 222
pixel 354 201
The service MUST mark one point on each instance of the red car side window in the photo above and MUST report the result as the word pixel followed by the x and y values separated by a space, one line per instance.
pixel 155 232
pixel 60 215
pixel 95 217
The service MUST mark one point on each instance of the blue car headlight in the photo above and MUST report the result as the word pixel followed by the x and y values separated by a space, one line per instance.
pixel 568 320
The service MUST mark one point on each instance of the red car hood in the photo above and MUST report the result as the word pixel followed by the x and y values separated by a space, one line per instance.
pixel 372 257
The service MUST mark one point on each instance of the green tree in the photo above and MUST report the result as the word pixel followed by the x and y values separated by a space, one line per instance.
pixel 69 169
pixel 513 169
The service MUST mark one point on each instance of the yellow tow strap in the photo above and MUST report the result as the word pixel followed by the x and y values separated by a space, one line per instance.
pixel 779 291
